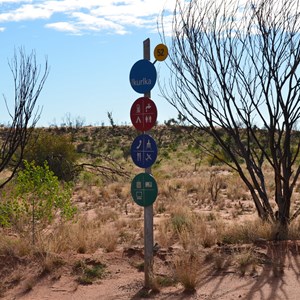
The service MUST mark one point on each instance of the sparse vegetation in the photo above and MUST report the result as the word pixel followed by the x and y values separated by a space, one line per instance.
pixel 89 271
pixel 187 270
pixel 57 150
pixel 204 219
pixel 220 83
pixel 36 199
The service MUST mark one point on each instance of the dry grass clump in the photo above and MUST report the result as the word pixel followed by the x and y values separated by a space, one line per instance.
pixel 130 231
pixel 294 230
pixel 90 235
pixel 245 261
pixel 165 235
pixel 217 261
pixel 50 262
pixel 191 230
pixel 186 269
pixel 246 232
pixel 115 189
pixel 181 218
pixel 238 259
pixel 14 245
pixel 194 185
pixel 105 215
pixel 108 238
pixel 83 236
pixel 57 240
pixel 199 190
pixel 215 185
pixel 66 237
pixel 236 189
pixel 168 189
pixel 93 230
pixel 87 195
pixel 200 235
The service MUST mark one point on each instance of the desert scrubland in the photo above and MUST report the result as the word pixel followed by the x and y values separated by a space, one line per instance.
pixel 209 242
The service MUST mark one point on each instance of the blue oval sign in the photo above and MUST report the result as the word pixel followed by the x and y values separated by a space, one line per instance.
pixel 144 151
pixel 142 76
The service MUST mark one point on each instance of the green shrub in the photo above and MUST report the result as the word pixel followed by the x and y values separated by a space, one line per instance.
pixel 57 150
pixel 37 198
pixel 181 219
pixel 89 273
pixel 7 211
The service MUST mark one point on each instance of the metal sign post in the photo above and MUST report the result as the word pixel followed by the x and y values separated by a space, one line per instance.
pixel 148 210
pixel 143 116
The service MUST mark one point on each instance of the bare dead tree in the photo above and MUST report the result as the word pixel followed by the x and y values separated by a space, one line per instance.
pixel 111 169
pixel 234 73
pixel 29 79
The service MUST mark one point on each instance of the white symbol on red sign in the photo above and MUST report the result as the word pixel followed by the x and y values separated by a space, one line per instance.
pixel 143 114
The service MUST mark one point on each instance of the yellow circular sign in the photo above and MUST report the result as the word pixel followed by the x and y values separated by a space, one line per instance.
pixel 161 52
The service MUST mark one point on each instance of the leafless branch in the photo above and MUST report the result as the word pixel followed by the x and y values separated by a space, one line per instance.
pixel 234 73
pixel 29 79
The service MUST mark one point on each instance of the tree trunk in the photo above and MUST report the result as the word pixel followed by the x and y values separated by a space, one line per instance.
pixel 283 218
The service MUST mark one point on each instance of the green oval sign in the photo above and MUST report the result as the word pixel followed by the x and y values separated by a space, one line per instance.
pixel 144 189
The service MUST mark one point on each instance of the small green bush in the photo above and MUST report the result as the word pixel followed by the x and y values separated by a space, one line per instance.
pixel 89 273
pixel 181 219
pixel 57 150
pixel 37 198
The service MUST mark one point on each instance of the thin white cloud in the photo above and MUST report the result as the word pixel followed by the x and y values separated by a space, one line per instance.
pixel 13 1
pixel 63 26
pixel 24 13
pixel 94 23
pixel 77 16
pixel 2 29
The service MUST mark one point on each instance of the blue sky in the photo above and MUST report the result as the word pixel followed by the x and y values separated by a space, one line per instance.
pixel 91 46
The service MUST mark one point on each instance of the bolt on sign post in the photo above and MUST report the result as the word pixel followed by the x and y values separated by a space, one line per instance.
pixel 143 115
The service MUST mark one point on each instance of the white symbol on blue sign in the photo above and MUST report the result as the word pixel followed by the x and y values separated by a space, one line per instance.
pixel 148 145
pixel 144 151
pixel 139 156
pixel 139 145
pixel 142 76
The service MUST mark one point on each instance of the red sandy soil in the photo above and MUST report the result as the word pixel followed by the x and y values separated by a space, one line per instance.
pixel 124 281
